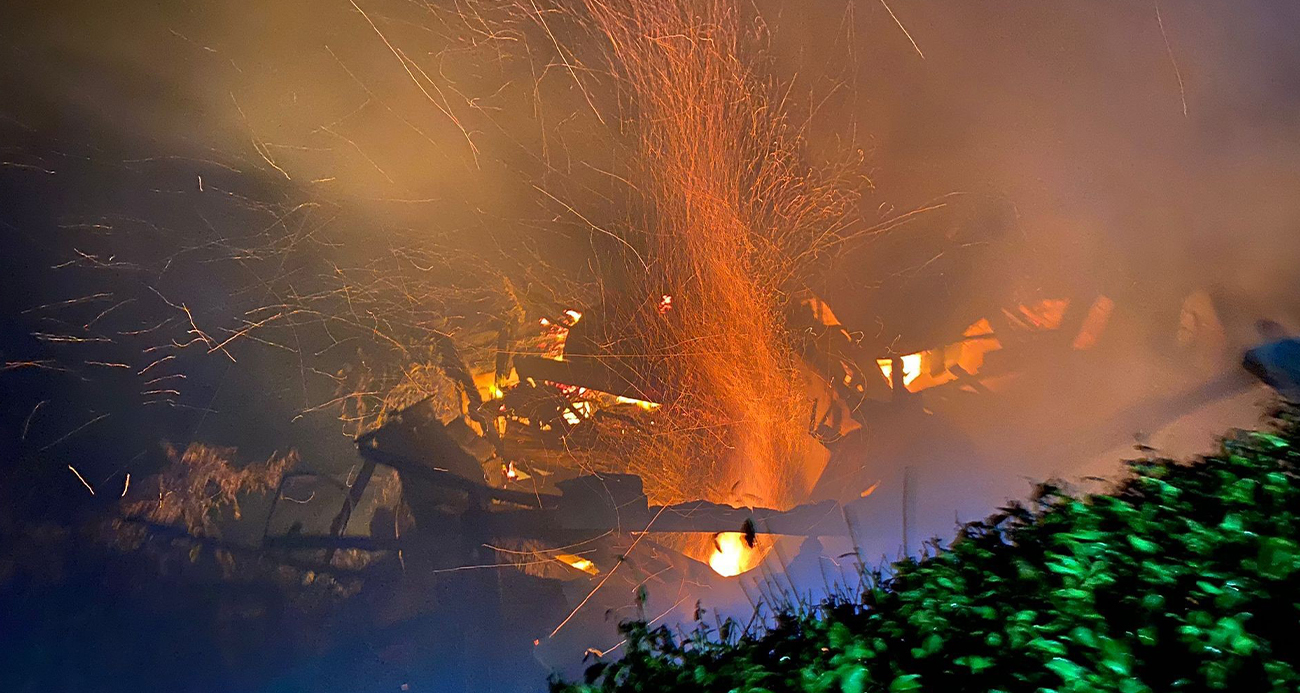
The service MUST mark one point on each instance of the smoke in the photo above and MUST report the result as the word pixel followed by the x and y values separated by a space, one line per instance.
pixel 234 216
pixel 375 174
pixel 1123 143
pixel 1132 148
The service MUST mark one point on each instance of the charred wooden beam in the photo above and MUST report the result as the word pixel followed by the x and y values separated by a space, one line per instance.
pixel 358 487
pixel 591 372
pixel 172 532
pixel 820 519
pixel 441 477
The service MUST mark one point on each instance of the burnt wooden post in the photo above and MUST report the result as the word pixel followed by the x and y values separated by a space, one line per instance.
pixel 358 487
pixel 896 379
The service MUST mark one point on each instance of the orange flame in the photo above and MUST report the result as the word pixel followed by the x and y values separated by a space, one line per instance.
pixel 911 368
pixel 731 555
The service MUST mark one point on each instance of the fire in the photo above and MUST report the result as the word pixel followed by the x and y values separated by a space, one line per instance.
pixel 555 333
pixel 927 369
pixel 644 404
pixel 731 555
pixel 578 563
pixel 665 304
pixel 911 368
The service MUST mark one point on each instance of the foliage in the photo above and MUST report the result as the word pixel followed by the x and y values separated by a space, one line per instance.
pixel 201 481
pixel 1185 578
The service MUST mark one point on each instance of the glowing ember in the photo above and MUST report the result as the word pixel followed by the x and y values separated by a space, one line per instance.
pixel 730 554
pixel 665 304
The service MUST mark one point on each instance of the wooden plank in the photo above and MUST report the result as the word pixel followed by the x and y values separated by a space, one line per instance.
pixel 404 465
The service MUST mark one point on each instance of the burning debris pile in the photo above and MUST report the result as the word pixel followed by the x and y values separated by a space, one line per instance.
pixel 681 368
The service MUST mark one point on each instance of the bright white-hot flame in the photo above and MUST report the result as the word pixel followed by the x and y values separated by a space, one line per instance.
pixel 911 368
pixel 729 554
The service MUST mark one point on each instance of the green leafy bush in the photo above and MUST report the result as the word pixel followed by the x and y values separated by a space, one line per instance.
pixel 1185 578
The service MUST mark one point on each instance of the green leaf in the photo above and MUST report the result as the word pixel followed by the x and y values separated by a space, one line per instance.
pixel 975 662
pixel 1232 523
pixel 907 682
pixel 1072 594
pixel 1275 441
pixel 1208 588
pixel 1276 558
pixel 1083 636
pixel 1129 685
pixel 1142 545
pixel 1115 657
pixel 1153 602
pixel 855 682
pixel 1049 646
pixel 1026 616
pixel 1067 670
